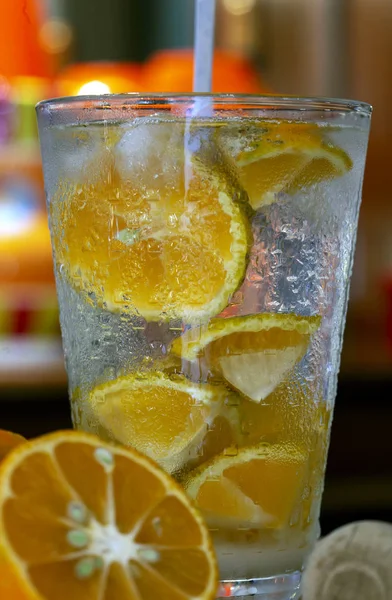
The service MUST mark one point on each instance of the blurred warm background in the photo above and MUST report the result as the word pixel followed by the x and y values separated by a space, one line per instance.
pixel 320 47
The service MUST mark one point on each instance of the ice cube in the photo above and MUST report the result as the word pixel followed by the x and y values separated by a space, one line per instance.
pixel 150 155
pixel 240 137
pixel 84 154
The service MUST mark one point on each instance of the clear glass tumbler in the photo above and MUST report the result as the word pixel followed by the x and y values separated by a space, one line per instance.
pixel 203 247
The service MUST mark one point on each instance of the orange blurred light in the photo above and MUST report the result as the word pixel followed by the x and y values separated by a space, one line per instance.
pixel 55 36
pixel 172 71
pixel 21 50
pixel 25 252
pixel 93 88
pixel 99 78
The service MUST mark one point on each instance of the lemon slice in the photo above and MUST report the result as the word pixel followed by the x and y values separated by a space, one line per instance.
pixel 165 417
pixel 286 157
pixel 254 353
pixel 258 486
pixel 172 245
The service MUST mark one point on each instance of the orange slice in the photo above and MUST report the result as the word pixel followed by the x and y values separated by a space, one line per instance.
pixel 167 241
pixel 284 157
pixel 8 441
pixel 254 353
pixel 164 416
pixel 257 486
pixel 85 520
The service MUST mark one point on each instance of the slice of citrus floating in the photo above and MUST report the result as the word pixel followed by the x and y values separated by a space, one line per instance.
pixel 8 441
pixel 165 417
pixel 85 520
pixel 174 247
pixel 254 353
pixel 257 486
pixel 285 157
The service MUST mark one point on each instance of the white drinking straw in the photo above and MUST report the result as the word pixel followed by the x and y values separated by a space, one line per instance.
pixel 204 45
pixel 202 75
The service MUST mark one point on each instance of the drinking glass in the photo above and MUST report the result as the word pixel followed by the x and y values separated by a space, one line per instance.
pixel 203 247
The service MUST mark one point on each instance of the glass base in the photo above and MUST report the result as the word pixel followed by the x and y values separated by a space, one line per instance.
pixel 280 587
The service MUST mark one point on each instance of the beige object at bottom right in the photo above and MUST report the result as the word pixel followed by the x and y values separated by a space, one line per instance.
pixel 352 563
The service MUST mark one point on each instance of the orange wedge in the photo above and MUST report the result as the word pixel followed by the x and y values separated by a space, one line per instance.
pixel 86 520
pixel 8 441
pixel 284 157
pixel 254 353
pixel 258 487
pixel 171 433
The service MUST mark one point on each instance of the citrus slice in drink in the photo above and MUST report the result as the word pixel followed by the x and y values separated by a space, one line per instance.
pixel 172 248
pixel 83 519
pixel 163 416
pixel 8 441
pixel 254 353
pixel 285 157
pixel 256 486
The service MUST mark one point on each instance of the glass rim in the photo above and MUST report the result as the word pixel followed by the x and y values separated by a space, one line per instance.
pixel 245 101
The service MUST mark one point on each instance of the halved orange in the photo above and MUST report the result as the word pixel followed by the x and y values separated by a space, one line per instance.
pixel 86 520
pixel 8 441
